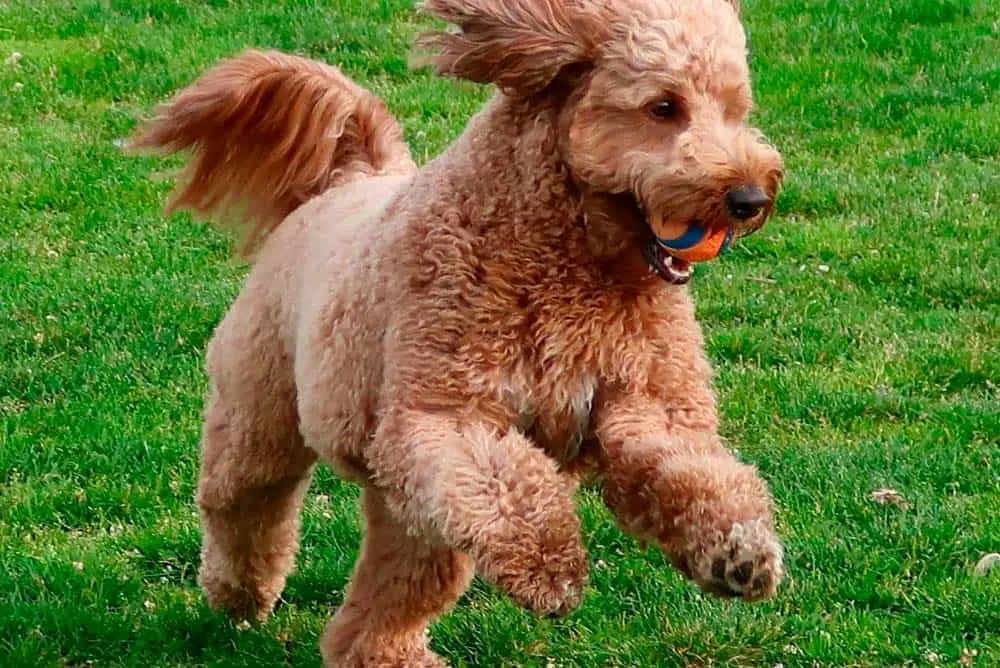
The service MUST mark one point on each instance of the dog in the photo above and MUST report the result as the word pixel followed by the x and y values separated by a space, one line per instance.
pixel 469 338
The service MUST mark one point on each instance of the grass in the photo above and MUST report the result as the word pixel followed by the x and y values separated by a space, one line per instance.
pixel 857 340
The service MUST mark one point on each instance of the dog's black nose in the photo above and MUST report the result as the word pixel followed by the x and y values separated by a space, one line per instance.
pixel 745 202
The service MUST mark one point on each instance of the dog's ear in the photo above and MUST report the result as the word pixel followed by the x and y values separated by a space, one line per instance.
pixel 520 45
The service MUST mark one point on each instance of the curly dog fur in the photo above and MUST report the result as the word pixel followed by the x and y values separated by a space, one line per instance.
pixel 466 338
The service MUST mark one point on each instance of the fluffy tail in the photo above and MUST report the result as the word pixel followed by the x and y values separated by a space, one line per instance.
pixel 268 132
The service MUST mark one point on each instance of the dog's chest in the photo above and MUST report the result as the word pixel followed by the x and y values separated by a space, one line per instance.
pixel 551 405
pixel 576 345
pixel 550 339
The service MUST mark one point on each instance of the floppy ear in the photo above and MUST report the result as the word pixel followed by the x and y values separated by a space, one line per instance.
pixel 520 45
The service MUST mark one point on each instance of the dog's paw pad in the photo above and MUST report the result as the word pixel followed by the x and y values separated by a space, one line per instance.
pixel 747 563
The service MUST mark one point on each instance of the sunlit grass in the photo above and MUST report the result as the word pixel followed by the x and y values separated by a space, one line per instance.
pixel 857 340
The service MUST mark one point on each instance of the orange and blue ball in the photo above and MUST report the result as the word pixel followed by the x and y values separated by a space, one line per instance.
pixel 694 243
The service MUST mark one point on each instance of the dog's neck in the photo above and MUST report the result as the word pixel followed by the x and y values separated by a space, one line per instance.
pixel 508 160
pixel 508 171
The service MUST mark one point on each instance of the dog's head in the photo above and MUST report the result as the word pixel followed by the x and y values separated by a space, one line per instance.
pixel 655 97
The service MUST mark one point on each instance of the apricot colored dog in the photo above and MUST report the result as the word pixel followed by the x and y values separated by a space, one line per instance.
pixel 466 338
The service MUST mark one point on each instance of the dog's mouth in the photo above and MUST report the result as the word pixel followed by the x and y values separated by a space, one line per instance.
pixel 671 269
pixel 700 236
pixel 673 258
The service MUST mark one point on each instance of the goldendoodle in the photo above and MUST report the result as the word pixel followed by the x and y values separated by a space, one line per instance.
pixel 466 338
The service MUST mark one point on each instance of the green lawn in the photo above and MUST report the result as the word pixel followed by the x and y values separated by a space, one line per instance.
pixel 857 340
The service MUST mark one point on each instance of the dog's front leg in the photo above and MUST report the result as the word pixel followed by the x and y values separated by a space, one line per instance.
pixel 669 480
pixel 495 496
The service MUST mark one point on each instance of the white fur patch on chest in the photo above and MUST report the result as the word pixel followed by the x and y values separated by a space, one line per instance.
pixel 555 408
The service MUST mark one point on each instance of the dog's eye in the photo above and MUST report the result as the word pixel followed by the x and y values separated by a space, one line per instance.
pixel 664 110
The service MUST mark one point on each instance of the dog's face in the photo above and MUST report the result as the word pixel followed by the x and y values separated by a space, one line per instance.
pixel 657 94
pixel 662 119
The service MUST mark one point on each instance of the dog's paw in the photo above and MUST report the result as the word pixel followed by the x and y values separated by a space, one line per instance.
pixel 545 576
pixel 386 653
pixel 746 563
pixel 552 589
pixel 239 603
pixel 552 586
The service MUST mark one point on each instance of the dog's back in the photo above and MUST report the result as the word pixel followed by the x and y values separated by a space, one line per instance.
pixel 301 162
pixel 307 324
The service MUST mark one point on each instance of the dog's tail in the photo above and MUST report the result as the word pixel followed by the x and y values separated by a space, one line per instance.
pixel 268 132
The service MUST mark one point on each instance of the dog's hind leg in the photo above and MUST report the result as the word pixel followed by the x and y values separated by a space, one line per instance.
pixel 400 584
pixel 254 474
